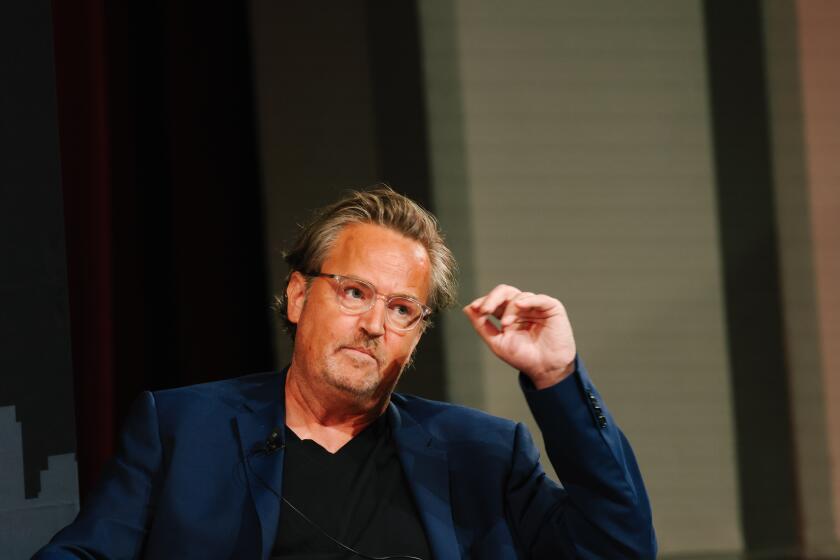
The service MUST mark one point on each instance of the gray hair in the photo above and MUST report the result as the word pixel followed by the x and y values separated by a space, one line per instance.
pixel 381 206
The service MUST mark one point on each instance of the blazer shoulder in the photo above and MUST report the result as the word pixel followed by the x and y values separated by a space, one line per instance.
pixel 231 393
pixel 453 421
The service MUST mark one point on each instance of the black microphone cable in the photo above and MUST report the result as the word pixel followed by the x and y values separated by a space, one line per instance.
pixel 341 544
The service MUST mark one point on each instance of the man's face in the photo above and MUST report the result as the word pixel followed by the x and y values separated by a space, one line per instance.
pixel 359 355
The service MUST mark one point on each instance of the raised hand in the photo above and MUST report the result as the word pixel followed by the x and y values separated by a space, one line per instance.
pixel 534 335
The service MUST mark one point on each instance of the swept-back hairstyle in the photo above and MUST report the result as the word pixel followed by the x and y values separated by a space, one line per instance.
pixel 381 206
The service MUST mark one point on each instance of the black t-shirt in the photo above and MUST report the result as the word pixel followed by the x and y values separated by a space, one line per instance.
pixel 358 495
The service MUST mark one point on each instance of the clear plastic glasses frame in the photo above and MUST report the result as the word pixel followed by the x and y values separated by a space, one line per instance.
pixel 356 296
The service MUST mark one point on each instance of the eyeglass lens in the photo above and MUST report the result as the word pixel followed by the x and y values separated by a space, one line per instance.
pixel 358 297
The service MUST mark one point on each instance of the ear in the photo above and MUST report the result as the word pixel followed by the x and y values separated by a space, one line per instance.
pixel 295 296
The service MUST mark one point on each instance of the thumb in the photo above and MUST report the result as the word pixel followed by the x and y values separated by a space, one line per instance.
pixel 482 325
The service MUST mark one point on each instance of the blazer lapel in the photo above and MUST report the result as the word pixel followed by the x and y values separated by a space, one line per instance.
pixel 264 467
pixel 426 468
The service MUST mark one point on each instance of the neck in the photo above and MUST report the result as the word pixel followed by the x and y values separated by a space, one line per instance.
pixel 326 415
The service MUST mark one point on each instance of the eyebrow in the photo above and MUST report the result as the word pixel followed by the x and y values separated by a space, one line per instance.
pixel 398 294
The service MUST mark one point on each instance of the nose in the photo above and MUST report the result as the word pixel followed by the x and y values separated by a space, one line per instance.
pixel 373 320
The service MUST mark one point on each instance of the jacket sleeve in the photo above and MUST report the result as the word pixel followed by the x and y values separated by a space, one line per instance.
pixel 602 509
pixel 114 520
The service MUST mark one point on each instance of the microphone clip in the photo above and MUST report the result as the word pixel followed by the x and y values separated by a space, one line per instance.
pixel 273 442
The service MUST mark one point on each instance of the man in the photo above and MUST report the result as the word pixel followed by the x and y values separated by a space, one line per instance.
pixel 323 461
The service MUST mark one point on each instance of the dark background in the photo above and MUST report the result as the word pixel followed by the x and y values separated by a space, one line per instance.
pixel 35 370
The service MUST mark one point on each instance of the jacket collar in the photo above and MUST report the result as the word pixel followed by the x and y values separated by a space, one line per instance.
pixel 264 409
pixel 426 467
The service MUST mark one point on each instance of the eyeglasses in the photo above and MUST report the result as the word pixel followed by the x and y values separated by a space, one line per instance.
pixel 402 313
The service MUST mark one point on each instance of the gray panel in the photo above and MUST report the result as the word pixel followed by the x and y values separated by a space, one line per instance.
pixel 27 524
pixel 589 176
pixel 451 196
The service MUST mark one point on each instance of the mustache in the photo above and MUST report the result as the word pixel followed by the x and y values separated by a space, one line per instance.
pixel 371 345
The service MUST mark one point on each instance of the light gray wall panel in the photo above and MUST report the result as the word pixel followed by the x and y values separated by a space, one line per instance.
pixel 28 524
pixel 584 135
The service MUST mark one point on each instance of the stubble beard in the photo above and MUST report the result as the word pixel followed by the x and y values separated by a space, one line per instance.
pixel 362 382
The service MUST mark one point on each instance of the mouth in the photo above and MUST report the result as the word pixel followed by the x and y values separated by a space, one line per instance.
pixel 358 351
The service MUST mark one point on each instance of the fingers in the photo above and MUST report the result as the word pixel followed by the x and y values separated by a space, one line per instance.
pixel 510 305
pixel 512 309
pixel 495 301
pixel 492 304
pixel 482 324
pixel 539 304
pixel 533 333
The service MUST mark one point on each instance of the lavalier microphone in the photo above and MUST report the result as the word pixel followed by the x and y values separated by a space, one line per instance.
pixel 272 443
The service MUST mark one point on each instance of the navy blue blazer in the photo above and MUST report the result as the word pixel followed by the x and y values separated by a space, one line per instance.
pixel 190 479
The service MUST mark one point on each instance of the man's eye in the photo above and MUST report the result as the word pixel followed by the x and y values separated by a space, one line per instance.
pixel 354 293
pixel 402 309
